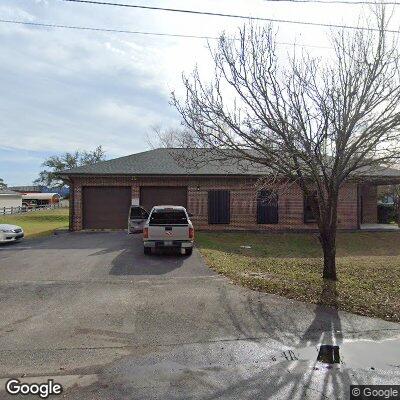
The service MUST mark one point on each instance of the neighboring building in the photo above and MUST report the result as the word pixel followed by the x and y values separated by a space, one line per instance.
pixel 220 195
pixel 28 189
pixel 62 191
pixel 40 199
pixel 9 198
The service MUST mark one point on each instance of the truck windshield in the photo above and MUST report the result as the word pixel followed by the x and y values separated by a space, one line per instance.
pixel 168 217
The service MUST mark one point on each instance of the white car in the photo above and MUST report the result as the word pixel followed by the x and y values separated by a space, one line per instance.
pixel 168 226
pixel 10 233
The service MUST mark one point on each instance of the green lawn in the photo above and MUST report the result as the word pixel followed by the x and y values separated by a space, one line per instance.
pixel 38 223
pixel 290 265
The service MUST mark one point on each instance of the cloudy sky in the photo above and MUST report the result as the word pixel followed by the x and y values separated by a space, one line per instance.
pixel 63 90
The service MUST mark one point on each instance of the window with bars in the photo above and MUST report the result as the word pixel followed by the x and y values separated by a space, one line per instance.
pixel 267 207
pixel 309 216
pixel 219 207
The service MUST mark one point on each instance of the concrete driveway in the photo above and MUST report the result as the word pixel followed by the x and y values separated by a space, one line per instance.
pixel 107 322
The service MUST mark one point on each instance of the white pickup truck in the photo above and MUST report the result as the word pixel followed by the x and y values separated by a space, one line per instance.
pixel 168 227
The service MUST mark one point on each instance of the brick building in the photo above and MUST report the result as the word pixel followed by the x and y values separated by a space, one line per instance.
pixel 220 195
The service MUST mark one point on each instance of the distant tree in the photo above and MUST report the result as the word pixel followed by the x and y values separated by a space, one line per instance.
pixel 54 164
pixel 2 184
pixel 168 137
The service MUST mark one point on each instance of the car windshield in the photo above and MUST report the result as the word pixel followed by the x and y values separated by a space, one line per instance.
pixel 168 217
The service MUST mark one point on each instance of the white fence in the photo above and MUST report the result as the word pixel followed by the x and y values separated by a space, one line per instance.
pixel 24 209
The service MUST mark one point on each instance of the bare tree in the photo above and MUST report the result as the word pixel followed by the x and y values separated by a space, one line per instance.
pixel 169 137
pixel 313 122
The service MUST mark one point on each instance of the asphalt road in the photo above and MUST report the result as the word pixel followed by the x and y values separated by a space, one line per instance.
pixel 107 322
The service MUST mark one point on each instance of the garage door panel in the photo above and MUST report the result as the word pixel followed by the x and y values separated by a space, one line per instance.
pixel 151 196
pixel 105 207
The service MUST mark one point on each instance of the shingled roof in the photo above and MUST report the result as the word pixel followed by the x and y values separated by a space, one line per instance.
pixel 169 161
pixel 178 161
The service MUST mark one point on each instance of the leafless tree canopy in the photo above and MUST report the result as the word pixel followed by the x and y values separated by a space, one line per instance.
pixel 313 121
pixel 170 137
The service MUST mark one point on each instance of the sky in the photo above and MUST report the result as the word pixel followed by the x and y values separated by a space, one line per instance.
pixel 66 90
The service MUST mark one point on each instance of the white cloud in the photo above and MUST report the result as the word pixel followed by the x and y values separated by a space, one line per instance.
pixel 15 12
pixel 67 89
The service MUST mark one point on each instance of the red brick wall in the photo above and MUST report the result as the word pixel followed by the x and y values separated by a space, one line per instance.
pixel 243 201
pixel 347 207
pixel 369 194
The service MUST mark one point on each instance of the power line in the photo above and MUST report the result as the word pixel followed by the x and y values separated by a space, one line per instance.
pixel 178 10
pixel 87 28
pixel 350 2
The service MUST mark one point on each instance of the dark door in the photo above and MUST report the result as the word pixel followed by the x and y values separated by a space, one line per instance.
pixel 267 207
pixel 309 216
pixel 219 207
pixel 106 207
pixel 151 196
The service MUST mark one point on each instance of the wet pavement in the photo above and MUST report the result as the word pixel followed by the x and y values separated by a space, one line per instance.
pixel 91 311
pixel 361 354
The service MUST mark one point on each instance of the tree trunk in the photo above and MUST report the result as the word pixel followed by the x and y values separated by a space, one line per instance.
pixel 328 227
pixel 328 242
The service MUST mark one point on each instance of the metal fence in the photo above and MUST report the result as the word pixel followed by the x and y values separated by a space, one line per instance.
pixel 25 209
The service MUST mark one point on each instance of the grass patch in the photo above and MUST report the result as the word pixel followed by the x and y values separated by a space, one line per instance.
pixel 39 223
pixel 368 266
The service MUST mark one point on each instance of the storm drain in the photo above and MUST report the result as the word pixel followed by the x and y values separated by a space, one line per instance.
pixel 328 354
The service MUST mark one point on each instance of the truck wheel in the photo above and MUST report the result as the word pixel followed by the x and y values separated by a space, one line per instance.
pixel 188 251
pixel 147 250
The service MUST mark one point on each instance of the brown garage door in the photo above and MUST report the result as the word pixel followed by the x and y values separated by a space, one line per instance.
pixel 162 195
pixel 106 207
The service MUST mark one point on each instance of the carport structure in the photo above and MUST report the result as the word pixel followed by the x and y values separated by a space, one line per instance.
pixel 221 195
pixel 368 201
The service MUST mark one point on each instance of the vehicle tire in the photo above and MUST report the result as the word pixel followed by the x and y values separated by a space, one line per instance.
pixel 189 251
pixel 147 251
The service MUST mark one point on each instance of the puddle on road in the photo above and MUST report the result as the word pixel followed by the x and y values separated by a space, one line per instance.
pixel 362 354
pixel 191 363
